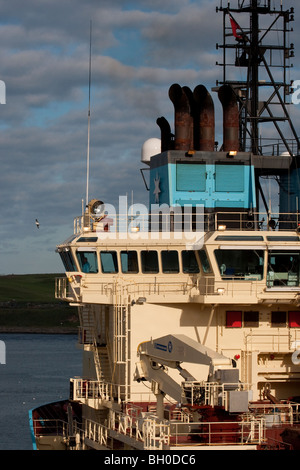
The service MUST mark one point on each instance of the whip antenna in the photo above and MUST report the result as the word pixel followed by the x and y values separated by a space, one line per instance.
pixel 89 121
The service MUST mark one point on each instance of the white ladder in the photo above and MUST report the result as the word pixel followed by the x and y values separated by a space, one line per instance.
pixel 121 337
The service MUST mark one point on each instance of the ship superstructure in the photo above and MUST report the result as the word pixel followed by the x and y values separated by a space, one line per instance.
pixel 190 309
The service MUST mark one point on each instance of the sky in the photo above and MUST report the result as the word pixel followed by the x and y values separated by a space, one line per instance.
pixel 139 49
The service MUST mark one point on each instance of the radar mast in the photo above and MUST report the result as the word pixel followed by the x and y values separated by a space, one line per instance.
pixel 255 43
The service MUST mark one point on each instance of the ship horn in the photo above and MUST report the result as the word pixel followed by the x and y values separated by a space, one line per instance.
pixel 183 118
pixel 230 118
pixel 204 127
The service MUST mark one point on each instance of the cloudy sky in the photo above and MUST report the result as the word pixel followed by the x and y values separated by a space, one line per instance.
pixel 139 49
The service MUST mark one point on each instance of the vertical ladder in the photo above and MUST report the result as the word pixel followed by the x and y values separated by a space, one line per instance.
pixel 121 338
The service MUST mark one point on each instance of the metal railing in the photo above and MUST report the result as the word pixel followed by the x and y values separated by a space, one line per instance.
pixel 144 431
pixel 189 222
pixel 49 427
pixel 277 341
pixel 210 393
pixel 95 432
pixel 97 391
pixel 159 435
pixel 60 287
pixel 277 414
pixel 148 432
pixel 226 433
pixel 274 148
pixel 206 285
pixel 63 289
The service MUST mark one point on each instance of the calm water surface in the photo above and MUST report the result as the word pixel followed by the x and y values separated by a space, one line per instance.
pixel 37 371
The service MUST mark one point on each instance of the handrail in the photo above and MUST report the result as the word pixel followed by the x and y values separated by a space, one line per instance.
pixel 84 389
pixel 161 435
pixel 49 426
pixel 103 287
pixel 204 222
pixel 64 290
pixel 243 433
pixel 201 285
pixel 275 341
pixel 149 433
pixel 289 413
pixel 210 393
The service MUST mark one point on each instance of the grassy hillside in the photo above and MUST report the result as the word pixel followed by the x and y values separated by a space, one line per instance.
pixel 28 288
pixel 27 301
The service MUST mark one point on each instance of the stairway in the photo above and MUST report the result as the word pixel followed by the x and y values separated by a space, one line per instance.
pixel 87 324
pixel 90 336
pixel 102 363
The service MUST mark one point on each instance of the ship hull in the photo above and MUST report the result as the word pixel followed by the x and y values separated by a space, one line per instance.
pixel 51 424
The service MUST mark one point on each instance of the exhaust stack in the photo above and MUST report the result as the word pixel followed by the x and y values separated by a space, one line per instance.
pixel 194 120
pixel 230 119
pixel 204 127
pixel 183 118
pixel 166 136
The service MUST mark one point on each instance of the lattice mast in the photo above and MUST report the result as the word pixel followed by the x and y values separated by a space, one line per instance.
pixel 255 41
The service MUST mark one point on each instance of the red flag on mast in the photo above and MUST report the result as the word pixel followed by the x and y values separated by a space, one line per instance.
pixel 234 27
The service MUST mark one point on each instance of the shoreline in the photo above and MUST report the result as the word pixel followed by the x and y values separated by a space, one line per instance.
pixel 38 330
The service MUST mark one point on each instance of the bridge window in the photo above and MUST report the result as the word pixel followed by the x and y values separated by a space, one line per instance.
pixel 204 261
pixel 87 240
pixel 68 261
pixel 109 262
pixel 87 261
pixel 129 262
pixel 283 268
pixel 170 263
pixel 149 262
pixel 189 262
pixel 240 264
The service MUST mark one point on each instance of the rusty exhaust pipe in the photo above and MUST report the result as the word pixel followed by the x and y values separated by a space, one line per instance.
pixel 183 118
pixel 204 127
pixel 230 119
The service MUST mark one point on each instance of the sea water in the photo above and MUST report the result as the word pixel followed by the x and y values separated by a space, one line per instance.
pixel 37 370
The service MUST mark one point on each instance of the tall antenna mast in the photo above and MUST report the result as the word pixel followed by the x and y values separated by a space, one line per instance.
pixel 256 66
pixel 89 122
pixel 255 49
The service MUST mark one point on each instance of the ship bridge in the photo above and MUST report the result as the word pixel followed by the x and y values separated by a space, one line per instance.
pixel 219 267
